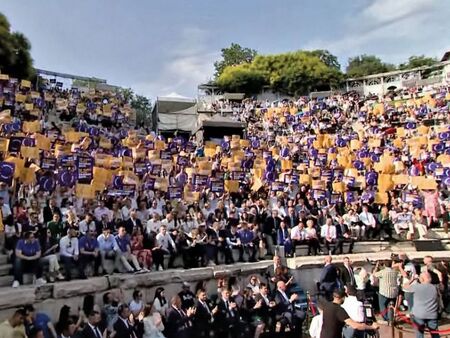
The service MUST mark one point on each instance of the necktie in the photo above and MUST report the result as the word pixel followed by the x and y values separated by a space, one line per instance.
pixel 328 231
pixel 352 277
pixel 206 307
pixel 97 332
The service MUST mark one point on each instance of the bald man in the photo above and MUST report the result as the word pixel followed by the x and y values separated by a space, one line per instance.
pixel 426 304
pixel 285 311
pixel 328 278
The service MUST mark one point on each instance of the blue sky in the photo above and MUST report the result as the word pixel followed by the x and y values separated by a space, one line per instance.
pixel 161 47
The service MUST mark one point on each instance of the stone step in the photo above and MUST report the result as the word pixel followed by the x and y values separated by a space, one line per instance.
pixel 6 281
pixel 3 259
pixel 4 269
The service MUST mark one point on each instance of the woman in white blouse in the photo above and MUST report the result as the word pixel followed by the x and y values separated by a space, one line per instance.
pixel 160 304
pixel 153 325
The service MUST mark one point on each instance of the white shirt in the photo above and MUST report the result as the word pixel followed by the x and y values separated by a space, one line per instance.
pixel 84 227
pixel 297 233
pixel 354 308
pixel 68 247
pixel 164 241
pixel 328 231
pixel 6 211
pixel 367 219
pixel 152 225
pixel 169 224
pixel 315 328
pixel 156 210
pixel 125 213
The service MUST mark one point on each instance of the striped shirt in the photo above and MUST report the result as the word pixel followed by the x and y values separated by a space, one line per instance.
pixel 388 282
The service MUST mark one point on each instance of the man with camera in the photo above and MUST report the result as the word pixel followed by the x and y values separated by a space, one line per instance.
pixel 387 273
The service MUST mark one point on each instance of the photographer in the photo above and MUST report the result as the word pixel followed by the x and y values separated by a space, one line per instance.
pixel 388 284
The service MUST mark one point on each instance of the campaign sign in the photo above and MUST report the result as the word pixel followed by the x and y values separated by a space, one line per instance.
pixel 7 172
pixel 68 161
pixel 166 155
pixel 140 168
pixel 66 178
pixel 217 186
pixel 15 143
pixel 149 183
pixel 156 169
pixel 237 175
pixel 85 169
pixel 201 180
pixel 335 198
pixel 183 160
pixel 47 183
pixel 351 196
pixel 49 163
pixel 175 193
pixel 278 186
pixel 319 194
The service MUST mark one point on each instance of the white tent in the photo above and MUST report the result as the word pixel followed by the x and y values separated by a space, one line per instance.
pixel 175 113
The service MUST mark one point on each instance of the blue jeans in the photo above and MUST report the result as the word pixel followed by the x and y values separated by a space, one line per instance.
pixel 431 324
pixel 384 303
pixel 350 332
pixel 409 296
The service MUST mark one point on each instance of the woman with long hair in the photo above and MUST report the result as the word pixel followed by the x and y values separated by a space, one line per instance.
pixel 137 303
pixel 153 324
pixel 143 255
pixel 160 303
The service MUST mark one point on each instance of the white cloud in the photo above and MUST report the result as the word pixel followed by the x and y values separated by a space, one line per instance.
pixel 393 30
pixel 188 65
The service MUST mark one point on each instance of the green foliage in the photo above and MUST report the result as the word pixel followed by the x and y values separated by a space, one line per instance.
pixel 233 56
pixel 364 65
pixel 143 109
pixel 241 79
pixel 326 57
pixel 295 73
pixel 15 57
pixel 417 61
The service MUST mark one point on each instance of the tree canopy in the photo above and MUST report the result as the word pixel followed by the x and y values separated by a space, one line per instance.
pixel 233 56
pixel 15 57
pixel 294 73
pixel 364 65
pixel 141 105
pixel 417 61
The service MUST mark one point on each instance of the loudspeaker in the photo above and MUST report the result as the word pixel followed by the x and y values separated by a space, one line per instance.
pixel 429 245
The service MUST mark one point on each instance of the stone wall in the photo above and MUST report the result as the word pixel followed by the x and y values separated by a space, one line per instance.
pixel 50 298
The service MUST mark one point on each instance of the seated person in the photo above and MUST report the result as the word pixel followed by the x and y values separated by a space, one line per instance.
pixel 247 237
pixel 89 252
pixel 28 253
pixel 106 245
pixel 164 246
pixel 328 233
pixel 284 239
pixel 69 253
pixel 123 251
pixel 403 222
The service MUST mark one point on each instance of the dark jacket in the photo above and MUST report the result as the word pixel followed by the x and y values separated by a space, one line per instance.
pixel 179 326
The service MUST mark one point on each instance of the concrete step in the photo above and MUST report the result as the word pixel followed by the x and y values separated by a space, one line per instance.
pixel 3 259
pixel 6 280
pixel 4 269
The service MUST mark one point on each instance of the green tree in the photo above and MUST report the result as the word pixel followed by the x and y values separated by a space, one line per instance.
pixel 15 57
pixel 418 61
pixel 364 65
pixel 143 108
pixel 326 57
pixel 241 78
pixel 233 56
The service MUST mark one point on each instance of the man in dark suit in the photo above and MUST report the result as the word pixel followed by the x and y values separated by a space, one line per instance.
pixel 133 222
pixel 91 330
pixel 347 275
pixel 270 273
pixel 122 326
pixel 266 308
pixel 269 230
pixel 328 279
pixel 179 321
pixel 51 209
pixel 343 235
pixel 291 219
pixel 226 319
pixel 204 315
pixel 286 313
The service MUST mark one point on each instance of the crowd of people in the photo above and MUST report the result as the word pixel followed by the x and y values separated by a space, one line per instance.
pixel 267 305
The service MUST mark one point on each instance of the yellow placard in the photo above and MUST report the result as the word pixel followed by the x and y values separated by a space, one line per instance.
pixel 30 152
pixel 85 191
pixel 28 176
pixel 231 186
pixel 25 84
pixel 42 142
pixel 31 127
pixel 381 198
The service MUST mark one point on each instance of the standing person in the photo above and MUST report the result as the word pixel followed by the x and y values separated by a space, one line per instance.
pixel 180 320
pixel 137 303
pixel 17 320
pixel 388 285
pixel 123 326
pixel 187 296
pixel 315 327
pixel 335 317
pixel 92 330
pixel 328 278
pixel 203 315
pixel 426 305
pixel 153 325
pixel 355 310
pixel 347 273
pixel 226 318
pixel 28 254
pixel 160 302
